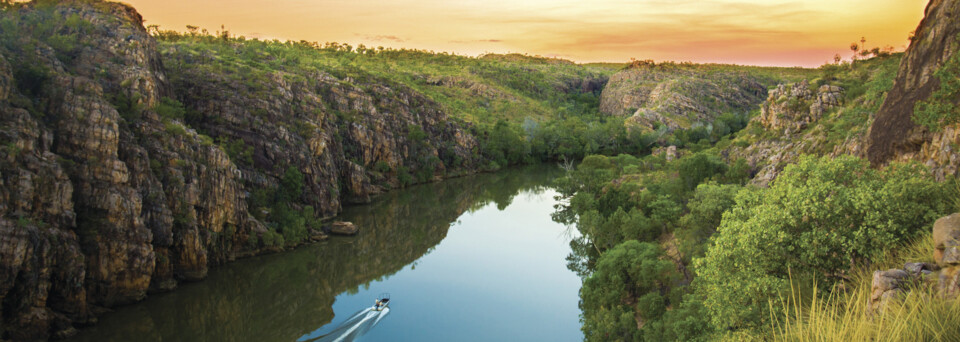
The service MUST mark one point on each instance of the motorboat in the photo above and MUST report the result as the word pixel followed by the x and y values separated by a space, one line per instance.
pixel 382 301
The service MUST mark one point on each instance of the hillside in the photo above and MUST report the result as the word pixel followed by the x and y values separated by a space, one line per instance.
pixel 773 232
pixel 133 160
pixel 678 95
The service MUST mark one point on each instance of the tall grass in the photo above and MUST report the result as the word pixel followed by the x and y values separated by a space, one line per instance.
pixel 843 315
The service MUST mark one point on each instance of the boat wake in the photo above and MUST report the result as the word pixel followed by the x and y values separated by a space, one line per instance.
pixel 355 326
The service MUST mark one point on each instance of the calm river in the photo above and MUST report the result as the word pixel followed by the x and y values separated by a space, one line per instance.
pixel 467 259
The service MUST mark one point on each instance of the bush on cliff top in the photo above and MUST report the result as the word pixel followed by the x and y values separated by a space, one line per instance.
pixel 821 216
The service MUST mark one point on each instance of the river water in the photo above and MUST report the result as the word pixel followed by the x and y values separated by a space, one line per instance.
pixel 475 258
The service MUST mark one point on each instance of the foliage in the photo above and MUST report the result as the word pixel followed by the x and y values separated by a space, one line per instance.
pixel 170 109
pixel 818 217
pixel 291 185
pixel 631 271
pixel 941 108
pixel 504 145
pixel 128 106
pixel 289 223
pixel 834 314
pixel 696 168
pixel 706 208
pixel 238 150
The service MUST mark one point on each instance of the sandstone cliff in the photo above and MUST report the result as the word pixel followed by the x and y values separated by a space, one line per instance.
pixel 678 95
pixel 875 123
pixel 105 195
pixel 894 136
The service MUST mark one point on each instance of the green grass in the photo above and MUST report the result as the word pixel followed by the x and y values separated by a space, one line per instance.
pixel 843 315
pixel 476 89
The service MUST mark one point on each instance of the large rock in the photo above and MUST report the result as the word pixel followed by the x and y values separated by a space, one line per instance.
pixel 946 240
pixel 793 107
pixel 888 285
pixel 344 228
pixel 893 134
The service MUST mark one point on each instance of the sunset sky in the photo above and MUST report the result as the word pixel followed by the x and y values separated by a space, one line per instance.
pixel 756 32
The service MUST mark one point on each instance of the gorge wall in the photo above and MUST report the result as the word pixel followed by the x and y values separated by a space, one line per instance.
pixel 894 135
pixel 679 95
pixel 105 197
pixel 129 165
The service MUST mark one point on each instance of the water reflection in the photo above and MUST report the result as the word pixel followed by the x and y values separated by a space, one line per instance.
pixel 284 296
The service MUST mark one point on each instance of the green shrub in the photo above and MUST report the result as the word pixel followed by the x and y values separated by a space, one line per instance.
pixel 941 109
pixel 381 167
pixel 128 106
pixel 738 172
pixel 238 150
pixel 631 271
pixel 291 224
pixel 707 206
pixel 170 109
pixel 174 128
pixel 696 168
pixel 271 238
pixel 403 176
pixel 291 185
pixel 820 216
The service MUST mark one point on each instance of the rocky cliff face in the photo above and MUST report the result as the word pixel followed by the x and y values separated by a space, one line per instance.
pixel 792 107
pixel 893 134
pixel 678 96
pixel 105 197
pixel 860 127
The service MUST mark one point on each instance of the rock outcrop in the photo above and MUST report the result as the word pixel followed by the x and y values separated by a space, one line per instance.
pixel 943 276
pixel 673 95
pixel 888 285
pixel 946 242
pixel 344 228
pixel 793 107
pixel 894 135
pixel 105 196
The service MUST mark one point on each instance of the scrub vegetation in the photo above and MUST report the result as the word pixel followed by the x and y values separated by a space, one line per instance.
pixel 689 250
pixel 526 109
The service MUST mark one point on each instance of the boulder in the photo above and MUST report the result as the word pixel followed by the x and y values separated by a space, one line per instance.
pixel 317 235
pixel 887 285
pixel 946 240
pixel 920 268
pixel 949 282
pixel 344 228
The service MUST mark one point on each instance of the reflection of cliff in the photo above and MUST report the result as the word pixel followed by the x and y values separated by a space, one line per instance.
pixel 281 297
pixel 126 168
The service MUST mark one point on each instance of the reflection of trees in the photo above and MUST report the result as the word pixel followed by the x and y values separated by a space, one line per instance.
pixel 283 296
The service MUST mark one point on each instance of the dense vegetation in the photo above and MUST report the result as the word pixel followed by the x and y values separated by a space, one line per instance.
pixel 526 109
pixel 941 109
pixel 686 250
pixel 523 109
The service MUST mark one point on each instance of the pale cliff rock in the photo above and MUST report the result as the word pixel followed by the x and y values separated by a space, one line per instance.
pixel 673 95
pixel 792 107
